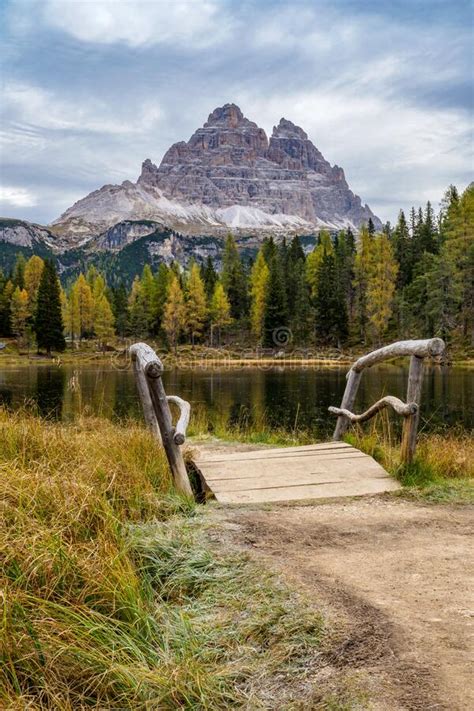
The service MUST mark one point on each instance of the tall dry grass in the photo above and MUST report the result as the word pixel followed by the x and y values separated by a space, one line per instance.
pixel 112 596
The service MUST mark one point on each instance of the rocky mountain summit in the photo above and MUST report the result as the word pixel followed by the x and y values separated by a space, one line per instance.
pixel 228 175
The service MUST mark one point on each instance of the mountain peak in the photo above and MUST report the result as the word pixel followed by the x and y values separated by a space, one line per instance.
pixel 230 173
pixel 287 129
pixel 229 115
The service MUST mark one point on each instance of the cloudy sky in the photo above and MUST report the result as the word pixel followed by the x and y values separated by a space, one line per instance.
pixel 90 88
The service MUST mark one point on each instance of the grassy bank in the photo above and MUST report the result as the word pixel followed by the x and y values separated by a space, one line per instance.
pixel 200 356
pixel 113 595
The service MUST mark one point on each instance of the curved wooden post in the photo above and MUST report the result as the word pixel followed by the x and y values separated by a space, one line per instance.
pixel 151 367
pixel 348 399
pixel 418 350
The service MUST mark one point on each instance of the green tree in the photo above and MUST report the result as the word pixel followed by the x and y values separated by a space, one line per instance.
pixel 234 279
pixel 174 318
pixel 120 310
pixel 20 313
pixel 219 311
pixel 162 280
pixel 5 308
pixel 32 276
pixel 209 277
pixel 196 307
pixel 137 309
pixel 259 277
pixel 361 269
pixel 330 307
pixel 103 321
pixel 48 325
pixel 381 282
pixel 18 277
pixel 81 309
pixel 276 307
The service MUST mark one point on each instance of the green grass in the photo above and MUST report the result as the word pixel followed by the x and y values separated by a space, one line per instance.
pixel 114 596
pixel 442 470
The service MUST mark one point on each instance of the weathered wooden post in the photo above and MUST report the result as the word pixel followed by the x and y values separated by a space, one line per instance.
pixel 148 365
pixel 410 425
pixel 417 350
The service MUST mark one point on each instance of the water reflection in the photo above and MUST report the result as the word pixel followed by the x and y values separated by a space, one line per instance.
pixel 284 398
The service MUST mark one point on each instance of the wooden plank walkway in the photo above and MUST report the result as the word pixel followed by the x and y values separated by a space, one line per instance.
pixel 317 471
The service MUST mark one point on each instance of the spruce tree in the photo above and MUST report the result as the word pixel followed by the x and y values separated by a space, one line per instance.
pixel 120 310
pixel 48 325
pixel 330 308
pixel 18 277
pixel 402 244
pixel 196 307
pixel 276 307
pixel 234 279
pixel 209 277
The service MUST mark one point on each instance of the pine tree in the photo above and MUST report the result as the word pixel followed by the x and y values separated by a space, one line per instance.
pixel 174 317
pixel 276 307
pixel 219 311
pixel 381 282
pixel 5 309
pixel 18 277
pixel 402 245
pixel 444 295
pixel 48 326
pixel 234 279
pixel 138 317
pixel 258 290
pixel 361 267
pixel 458 247
pixel 19 313
pixel 148 285
pixel 162 280
pixel 371 227
pixel 330 308
pixel 32 277
pixel 81 305
pixel 103 320
pixel 297 292
pixel 344 251
pixel 209 277
pixel 196 307
pixel 120 310
pixel 323 246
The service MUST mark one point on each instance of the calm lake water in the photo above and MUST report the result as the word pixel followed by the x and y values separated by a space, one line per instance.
pixel 285 397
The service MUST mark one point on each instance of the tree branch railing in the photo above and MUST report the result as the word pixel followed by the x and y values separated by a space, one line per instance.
pixel 148 370
pixel 417 350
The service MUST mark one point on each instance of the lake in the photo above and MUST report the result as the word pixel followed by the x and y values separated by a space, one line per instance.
pixel 286 397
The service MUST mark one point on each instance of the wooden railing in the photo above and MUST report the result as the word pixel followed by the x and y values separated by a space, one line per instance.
pixel 417 350
pixel 148 370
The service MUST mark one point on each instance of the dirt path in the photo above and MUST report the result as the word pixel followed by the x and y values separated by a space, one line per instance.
pixel 395 579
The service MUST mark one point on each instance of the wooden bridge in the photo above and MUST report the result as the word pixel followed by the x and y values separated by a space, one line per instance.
pixel 317 471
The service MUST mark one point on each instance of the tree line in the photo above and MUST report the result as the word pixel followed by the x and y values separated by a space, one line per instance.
pixel 415 279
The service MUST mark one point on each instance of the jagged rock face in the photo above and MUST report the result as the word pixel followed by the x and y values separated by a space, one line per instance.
pixel 24 234
pixel 229 161
pixel 228 175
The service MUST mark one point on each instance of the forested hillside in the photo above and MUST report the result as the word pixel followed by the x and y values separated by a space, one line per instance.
pixel 413 280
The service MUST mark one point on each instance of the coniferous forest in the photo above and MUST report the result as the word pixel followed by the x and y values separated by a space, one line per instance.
pixel 412 280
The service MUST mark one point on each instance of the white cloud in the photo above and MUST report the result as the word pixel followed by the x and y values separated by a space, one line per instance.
pixel 17 197
pixel 387 148
pixel 44 109
pixel 198 23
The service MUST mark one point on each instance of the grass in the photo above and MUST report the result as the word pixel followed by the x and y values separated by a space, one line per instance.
pixel 113 595
pixel 442 470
